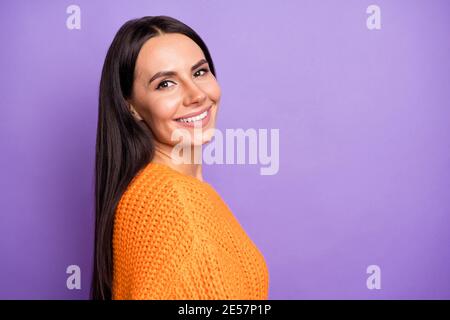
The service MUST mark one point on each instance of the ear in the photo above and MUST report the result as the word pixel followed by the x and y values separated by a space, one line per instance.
pixel 134 113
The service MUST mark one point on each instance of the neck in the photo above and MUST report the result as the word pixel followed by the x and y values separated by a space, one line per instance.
pixel 163 155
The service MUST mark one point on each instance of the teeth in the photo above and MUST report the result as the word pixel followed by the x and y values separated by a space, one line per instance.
pixel 196 118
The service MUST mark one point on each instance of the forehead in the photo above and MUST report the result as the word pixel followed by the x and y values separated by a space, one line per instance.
pixel 167 52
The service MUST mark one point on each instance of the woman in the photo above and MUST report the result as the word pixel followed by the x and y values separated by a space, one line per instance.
pixel 161 231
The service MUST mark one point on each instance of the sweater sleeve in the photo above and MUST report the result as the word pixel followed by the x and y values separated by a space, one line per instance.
pixel 161 242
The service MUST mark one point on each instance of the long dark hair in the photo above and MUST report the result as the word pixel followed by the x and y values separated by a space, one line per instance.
pixel 124 146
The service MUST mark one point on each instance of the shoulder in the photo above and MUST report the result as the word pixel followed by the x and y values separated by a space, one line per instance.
pixel 158 189
pixel 155 209
pixel 160 197
pixel 160 180
pixel 153 182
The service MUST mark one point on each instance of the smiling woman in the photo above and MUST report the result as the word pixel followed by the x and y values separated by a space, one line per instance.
pixel 161 232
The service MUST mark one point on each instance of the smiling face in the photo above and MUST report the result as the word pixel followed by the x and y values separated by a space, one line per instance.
pixel 174 89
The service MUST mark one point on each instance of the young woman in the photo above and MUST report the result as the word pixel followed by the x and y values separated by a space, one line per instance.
pixel 162 232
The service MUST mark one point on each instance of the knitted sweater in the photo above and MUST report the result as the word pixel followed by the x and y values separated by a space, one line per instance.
pixel 175 238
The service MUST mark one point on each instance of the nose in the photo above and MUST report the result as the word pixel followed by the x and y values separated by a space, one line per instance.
pixel 194 94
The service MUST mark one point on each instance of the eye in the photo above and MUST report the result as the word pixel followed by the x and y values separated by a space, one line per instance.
pixel 160 85
pixel 163 84
pixel 206 70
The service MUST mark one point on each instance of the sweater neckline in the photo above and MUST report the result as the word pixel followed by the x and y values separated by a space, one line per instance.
pixel 167 167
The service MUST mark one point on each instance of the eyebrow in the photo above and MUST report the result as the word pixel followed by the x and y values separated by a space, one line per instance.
pixel 172 73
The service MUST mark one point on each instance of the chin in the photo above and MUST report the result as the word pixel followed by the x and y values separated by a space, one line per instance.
pixel 207 139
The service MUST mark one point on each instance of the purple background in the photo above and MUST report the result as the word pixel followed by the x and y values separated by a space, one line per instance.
pixel 364 140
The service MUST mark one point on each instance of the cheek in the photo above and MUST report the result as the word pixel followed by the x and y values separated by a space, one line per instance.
pixel 212 88
pixel 162 109
pixel 161 113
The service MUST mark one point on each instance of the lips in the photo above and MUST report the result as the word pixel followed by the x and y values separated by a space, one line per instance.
pixel 199 121
pixel 193 114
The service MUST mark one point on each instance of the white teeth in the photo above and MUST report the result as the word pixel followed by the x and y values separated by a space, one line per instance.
pixel 196 118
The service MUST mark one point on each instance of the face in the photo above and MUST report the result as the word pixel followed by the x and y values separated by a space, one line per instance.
pixel 174 90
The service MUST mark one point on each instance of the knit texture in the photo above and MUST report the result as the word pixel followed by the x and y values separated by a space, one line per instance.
pixel 175 238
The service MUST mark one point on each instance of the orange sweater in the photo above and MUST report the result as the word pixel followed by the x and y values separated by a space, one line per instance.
pixel 175 238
